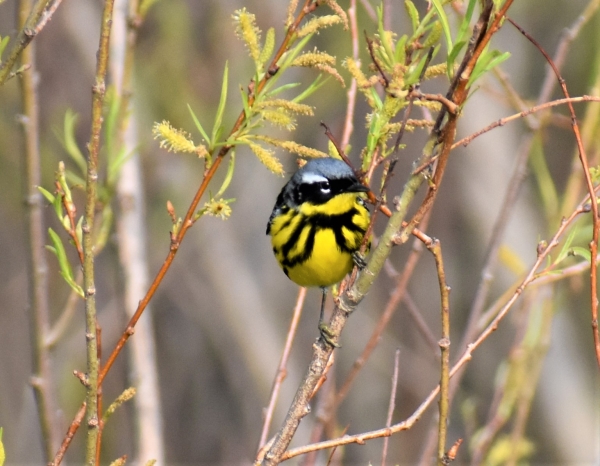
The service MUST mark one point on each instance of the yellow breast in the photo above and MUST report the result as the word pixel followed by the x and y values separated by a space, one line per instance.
pixel 314 244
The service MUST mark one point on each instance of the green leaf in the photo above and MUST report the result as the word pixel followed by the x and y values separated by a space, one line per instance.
pixel 280 89
pixel 486 62
pixel 71 144
pixel 458 46
pixel 52 199
pixel 2 453
pixel 3 43
pixel 400 54
pixel 217 127
pixel 463 30
pixel 319 81
pixel 115 164
pixel 63 262
pixel 565 250
pixel 111 112
pixel 581 252
pixel 47 194
pixel 437 4
pixel 199 126
pixel 414 72
pixel 228 176
pixel 74 180
pixel 543 177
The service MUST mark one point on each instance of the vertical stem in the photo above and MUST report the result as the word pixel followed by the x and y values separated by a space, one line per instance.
pixel 444 403
pixel 38 267
pixel 89 286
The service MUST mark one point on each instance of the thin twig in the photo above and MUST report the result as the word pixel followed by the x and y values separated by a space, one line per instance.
pixel 282 369
pixel 388 312
pixel 590 186
pixel 25 36
pixel 561 54
pixel 39 311
pixel 352 89
pixel 491 259
pixel 391 405
pixel 187 222
pixel 502 121
pixel 444 404
pixel 89 286
pixel 72 430
pixel 467 355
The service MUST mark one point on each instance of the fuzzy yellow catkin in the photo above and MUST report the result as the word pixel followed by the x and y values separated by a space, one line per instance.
pixel 174 140
pixel 290 13
pixel 127 395
pixel 248 31
pixel 294 107
pixel 278 117
pixel 315 58
pixel 293 147
pixel 267 158
pixel 119 461
pixel 333 72
pixel 436 70
pixel 353 68
pixel 317 23
pixel 338 10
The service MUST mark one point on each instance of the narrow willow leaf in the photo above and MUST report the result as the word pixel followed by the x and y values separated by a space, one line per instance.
pixel 458 46
pixel 115 164
pixel 221 109
pixel 487 62
pixel 566 247
pixel 47 194
pixel 228 176
pixel 400 54
pixel 319 81
pixel 112 102
pixel 414 73
pixel 199 126
pixel 581 252
pixel 280 89
pixel 247 111
pixel 63 262
pixel 74 180
pixel 71 144
pixel 437 4
pixel 3 43
pixel 2 454
pixel 289 57
pixel 464 28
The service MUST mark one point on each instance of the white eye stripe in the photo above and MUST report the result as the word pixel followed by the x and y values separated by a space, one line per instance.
pixel 313 178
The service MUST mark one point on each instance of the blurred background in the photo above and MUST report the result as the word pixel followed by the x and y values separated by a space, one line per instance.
pixel 220 317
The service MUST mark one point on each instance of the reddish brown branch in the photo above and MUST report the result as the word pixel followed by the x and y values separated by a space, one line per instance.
pixel 590 187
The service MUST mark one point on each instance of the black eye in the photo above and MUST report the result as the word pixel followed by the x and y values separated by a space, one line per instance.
pixel 324 187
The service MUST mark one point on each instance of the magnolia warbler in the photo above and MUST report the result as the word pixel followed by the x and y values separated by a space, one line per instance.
pixel 318 224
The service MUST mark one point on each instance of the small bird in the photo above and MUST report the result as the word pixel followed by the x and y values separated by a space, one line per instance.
pixel 317 226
